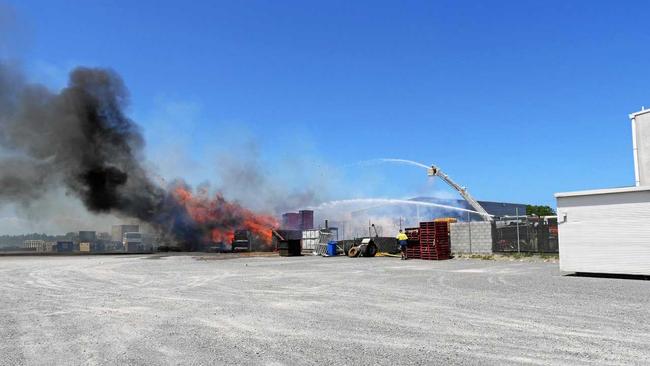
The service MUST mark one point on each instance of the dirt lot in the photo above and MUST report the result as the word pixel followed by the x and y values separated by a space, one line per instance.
pixel 144 310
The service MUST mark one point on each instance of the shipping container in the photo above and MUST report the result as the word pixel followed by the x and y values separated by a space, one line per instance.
pixel 97 247
pixel 84 247
pixel 64 246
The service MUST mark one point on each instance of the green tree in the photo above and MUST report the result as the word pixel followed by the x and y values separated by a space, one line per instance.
pixel 539 210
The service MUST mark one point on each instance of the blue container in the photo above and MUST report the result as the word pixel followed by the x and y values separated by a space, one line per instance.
pixel 64 246
pixel 331 248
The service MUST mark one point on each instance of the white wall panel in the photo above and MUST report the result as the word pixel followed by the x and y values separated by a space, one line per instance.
pixel 605 233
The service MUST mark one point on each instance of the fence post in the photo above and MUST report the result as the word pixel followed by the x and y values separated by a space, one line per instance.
pixel 517 213
pixel 469 228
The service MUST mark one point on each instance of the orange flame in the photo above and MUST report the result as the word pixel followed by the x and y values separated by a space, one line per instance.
pixel 223 217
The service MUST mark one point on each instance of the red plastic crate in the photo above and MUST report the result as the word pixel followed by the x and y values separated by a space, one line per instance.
pixel 434 241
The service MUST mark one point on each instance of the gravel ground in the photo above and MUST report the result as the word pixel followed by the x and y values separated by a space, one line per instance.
pixel 147 310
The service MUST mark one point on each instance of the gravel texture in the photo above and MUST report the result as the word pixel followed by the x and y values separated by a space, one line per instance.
pixel 148 310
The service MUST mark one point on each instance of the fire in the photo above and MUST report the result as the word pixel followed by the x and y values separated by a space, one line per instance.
pixel 221 218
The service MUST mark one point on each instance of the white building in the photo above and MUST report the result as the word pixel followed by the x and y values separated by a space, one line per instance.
pixel 608 230
pixel 37 245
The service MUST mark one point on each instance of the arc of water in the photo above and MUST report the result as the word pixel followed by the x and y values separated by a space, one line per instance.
pixel 405 161
pixel 391 160
pixel 391 201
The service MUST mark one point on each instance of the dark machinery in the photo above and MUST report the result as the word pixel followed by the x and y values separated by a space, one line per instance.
pixel 367 248
pixel 241 241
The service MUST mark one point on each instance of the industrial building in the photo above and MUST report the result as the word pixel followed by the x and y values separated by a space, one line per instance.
pixel 36 245
pixel 117 232
pixel 496 209
pixel 608 230
pixel 301 220
pixel 87 236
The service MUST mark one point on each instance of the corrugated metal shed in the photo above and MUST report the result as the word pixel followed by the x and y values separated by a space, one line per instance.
pixel 605 231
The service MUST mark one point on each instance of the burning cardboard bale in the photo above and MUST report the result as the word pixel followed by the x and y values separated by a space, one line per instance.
pixel 219 218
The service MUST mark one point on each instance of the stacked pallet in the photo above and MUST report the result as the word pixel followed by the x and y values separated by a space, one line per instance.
pixel 413 249
pixel 434 241
pixel 443 240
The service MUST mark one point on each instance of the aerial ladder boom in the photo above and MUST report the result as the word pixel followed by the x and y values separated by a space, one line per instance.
pixel 435 171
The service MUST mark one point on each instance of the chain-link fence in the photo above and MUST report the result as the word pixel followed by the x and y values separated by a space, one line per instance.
pixel 525 234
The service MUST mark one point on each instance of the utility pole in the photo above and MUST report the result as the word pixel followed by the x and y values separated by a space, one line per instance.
pixel 517 213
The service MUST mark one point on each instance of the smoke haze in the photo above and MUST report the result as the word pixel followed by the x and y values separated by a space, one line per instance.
pixel 64 154
pixel 243 176
pixel 80 139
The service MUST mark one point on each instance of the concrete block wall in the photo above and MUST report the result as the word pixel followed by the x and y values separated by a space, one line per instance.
pixel 481 237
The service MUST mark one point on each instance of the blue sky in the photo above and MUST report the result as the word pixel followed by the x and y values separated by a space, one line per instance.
pixel 514 99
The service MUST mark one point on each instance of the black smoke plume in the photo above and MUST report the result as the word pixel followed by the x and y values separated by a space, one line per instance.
pixel 81 138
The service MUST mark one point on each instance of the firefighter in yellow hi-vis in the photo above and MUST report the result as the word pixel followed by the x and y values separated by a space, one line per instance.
pixel 402 239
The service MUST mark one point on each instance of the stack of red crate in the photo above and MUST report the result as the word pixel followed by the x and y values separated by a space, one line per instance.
pixel 428 240
pixel 413 249
pixel 443 243
pixel 434 241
